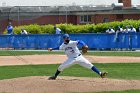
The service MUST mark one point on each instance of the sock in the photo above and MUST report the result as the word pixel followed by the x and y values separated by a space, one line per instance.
pixel 57 73
pixel 96 70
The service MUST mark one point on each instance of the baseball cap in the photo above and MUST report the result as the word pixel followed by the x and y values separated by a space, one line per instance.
pixel 65 36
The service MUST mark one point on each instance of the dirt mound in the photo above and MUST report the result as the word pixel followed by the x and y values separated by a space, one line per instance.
pixel 41 84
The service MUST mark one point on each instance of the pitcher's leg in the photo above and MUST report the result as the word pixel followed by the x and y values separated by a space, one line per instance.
pixel 85 63
pixel 69 62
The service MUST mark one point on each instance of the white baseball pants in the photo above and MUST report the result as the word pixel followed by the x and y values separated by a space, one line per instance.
pixel 78 60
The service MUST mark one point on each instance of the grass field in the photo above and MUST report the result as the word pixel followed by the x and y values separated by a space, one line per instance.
pixel 95 53
pixel 126 91
pixel 118 71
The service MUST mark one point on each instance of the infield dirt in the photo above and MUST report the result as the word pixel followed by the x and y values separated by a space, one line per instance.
pixel 55 59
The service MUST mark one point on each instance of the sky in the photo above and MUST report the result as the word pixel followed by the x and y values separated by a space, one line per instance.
pixel 59 2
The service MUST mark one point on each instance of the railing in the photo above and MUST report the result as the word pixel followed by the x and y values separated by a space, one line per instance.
pixel 44 41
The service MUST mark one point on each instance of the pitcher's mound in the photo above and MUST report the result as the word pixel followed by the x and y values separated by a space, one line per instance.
pixel 41 84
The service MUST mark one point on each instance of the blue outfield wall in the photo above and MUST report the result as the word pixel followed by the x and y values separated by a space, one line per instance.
pixel 43 41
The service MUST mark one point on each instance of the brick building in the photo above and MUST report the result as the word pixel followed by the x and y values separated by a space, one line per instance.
pixel 24 15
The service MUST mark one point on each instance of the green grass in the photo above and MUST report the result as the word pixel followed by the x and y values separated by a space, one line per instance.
pixel 117 70
pixel 27 52
pixel 95 53
pixel 126 91
pixel 115 53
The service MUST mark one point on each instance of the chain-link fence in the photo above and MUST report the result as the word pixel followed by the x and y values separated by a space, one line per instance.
pixel 24 15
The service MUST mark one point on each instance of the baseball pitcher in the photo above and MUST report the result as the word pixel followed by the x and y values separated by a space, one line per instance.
pixel 74 56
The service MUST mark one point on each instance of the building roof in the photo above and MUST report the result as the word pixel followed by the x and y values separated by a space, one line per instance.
pixel 63 8
pixel 35 11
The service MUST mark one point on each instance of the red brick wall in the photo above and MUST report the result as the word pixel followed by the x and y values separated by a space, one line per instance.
pixel 132 16
pixel 99 18
pixel 47 20
pixel 72 19
pixel 42 20
pixel 78 20
pixel 3 25
pixel 62 19
pixel 126 3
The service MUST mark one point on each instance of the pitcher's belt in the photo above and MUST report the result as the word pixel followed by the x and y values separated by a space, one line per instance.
pixel 78 55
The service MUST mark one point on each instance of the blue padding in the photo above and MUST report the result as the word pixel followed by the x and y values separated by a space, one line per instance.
pixel 44 41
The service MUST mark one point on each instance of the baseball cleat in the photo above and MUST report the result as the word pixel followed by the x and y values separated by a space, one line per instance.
pixel 52 78
pixel 103 74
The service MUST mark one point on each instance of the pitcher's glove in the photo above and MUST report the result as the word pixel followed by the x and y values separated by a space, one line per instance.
pixel 50 49
pixel 84 49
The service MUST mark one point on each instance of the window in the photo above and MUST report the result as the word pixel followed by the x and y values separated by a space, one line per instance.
pixel 105 20
pixel 85 19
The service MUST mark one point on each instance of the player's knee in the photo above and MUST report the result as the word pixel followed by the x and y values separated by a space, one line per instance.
pixel 60 68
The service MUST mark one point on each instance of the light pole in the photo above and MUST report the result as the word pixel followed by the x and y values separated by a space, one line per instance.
pixel 66 17
pixel 19 15
pixel 9 13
